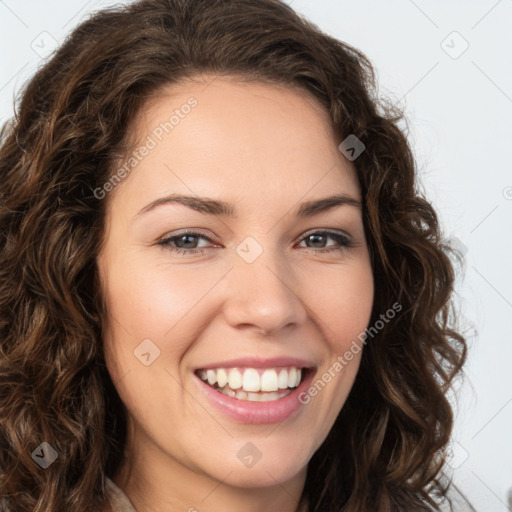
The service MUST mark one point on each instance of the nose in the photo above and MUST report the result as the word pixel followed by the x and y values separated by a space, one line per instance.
pixel 263 295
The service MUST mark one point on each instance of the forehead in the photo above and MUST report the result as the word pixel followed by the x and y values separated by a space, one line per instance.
pixel 230 89
pixel 249 136
pixel 231 102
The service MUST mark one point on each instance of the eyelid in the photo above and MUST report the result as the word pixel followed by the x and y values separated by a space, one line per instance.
pixel 163 241
pixel 183 232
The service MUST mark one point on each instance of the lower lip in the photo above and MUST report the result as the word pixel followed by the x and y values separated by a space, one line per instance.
pixel 245 411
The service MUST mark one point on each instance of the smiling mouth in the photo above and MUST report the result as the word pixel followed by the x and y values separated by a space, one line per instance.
pixel 254 384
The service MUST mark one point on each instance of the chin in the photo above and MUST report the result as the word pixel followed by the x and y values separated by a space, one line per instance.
pixel 272 467
pixel 260 477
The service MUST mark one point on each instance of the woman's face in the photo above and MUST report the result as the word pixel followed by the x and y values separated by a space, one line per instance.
pixel 258 290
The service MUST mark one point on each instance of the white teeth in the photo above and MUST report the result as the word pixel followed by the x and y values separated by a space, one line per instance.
pixel 251 382
pixel 269 381
pixel 212 377
pixel 292 376
pixel 228 391
pixel 241 395
pixel 253 397
pixel 267 397
pixel 222 377
pixel 283 379
pixel 235 379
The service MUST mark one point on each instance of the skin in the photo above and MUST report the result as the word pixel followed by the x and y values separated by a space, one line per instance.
pixel 265 149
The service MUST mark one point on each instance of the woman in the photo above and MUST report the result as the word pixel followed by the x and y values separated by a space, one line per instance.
pixel 253 370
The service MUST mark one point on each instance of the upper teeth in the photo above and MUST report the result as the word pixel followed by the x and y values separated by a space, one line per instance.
pixel 249 379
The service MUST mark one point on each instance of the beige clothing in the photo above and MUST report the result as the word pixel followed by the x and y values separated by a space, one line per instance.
pixel 121 503
pixel 118 499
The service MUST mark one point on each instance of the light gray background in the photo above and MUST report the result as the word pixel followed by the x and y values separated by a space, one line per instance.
pixel 459 109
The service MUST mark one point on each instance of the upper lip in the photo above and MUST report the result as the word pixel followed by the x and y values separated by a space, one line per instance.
pixel 258 362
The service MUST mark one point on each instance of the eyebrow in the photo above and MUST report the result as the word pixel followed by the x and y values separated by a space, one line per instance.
pixel 209 206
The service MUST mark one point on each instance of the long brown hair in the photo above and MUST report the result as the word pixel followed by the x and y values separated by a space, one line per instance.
pixel 72 124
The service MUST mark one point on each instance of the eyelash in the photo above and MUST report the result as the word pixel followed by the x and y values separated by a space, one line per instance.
pixel 344 241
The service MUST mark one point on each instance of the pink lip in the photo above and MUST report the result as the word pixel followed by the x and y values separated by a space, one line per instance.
pixel 244 411
pixel 255 362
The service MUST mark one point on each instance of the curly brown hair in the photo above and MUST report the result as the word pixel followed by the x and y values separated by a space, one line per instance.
pixel 384 453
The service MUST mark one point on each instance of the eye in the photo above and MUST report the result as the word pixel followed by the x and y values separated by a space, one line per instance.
pixel 182 243
pixel 186 242
pixel 320 237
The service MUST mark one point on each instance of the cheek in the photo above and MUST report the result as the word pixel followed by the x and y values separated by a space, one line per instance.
pixel 151 304
pixel 344 305
pixel 158 303
pixel 154 299
pixel 344 302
